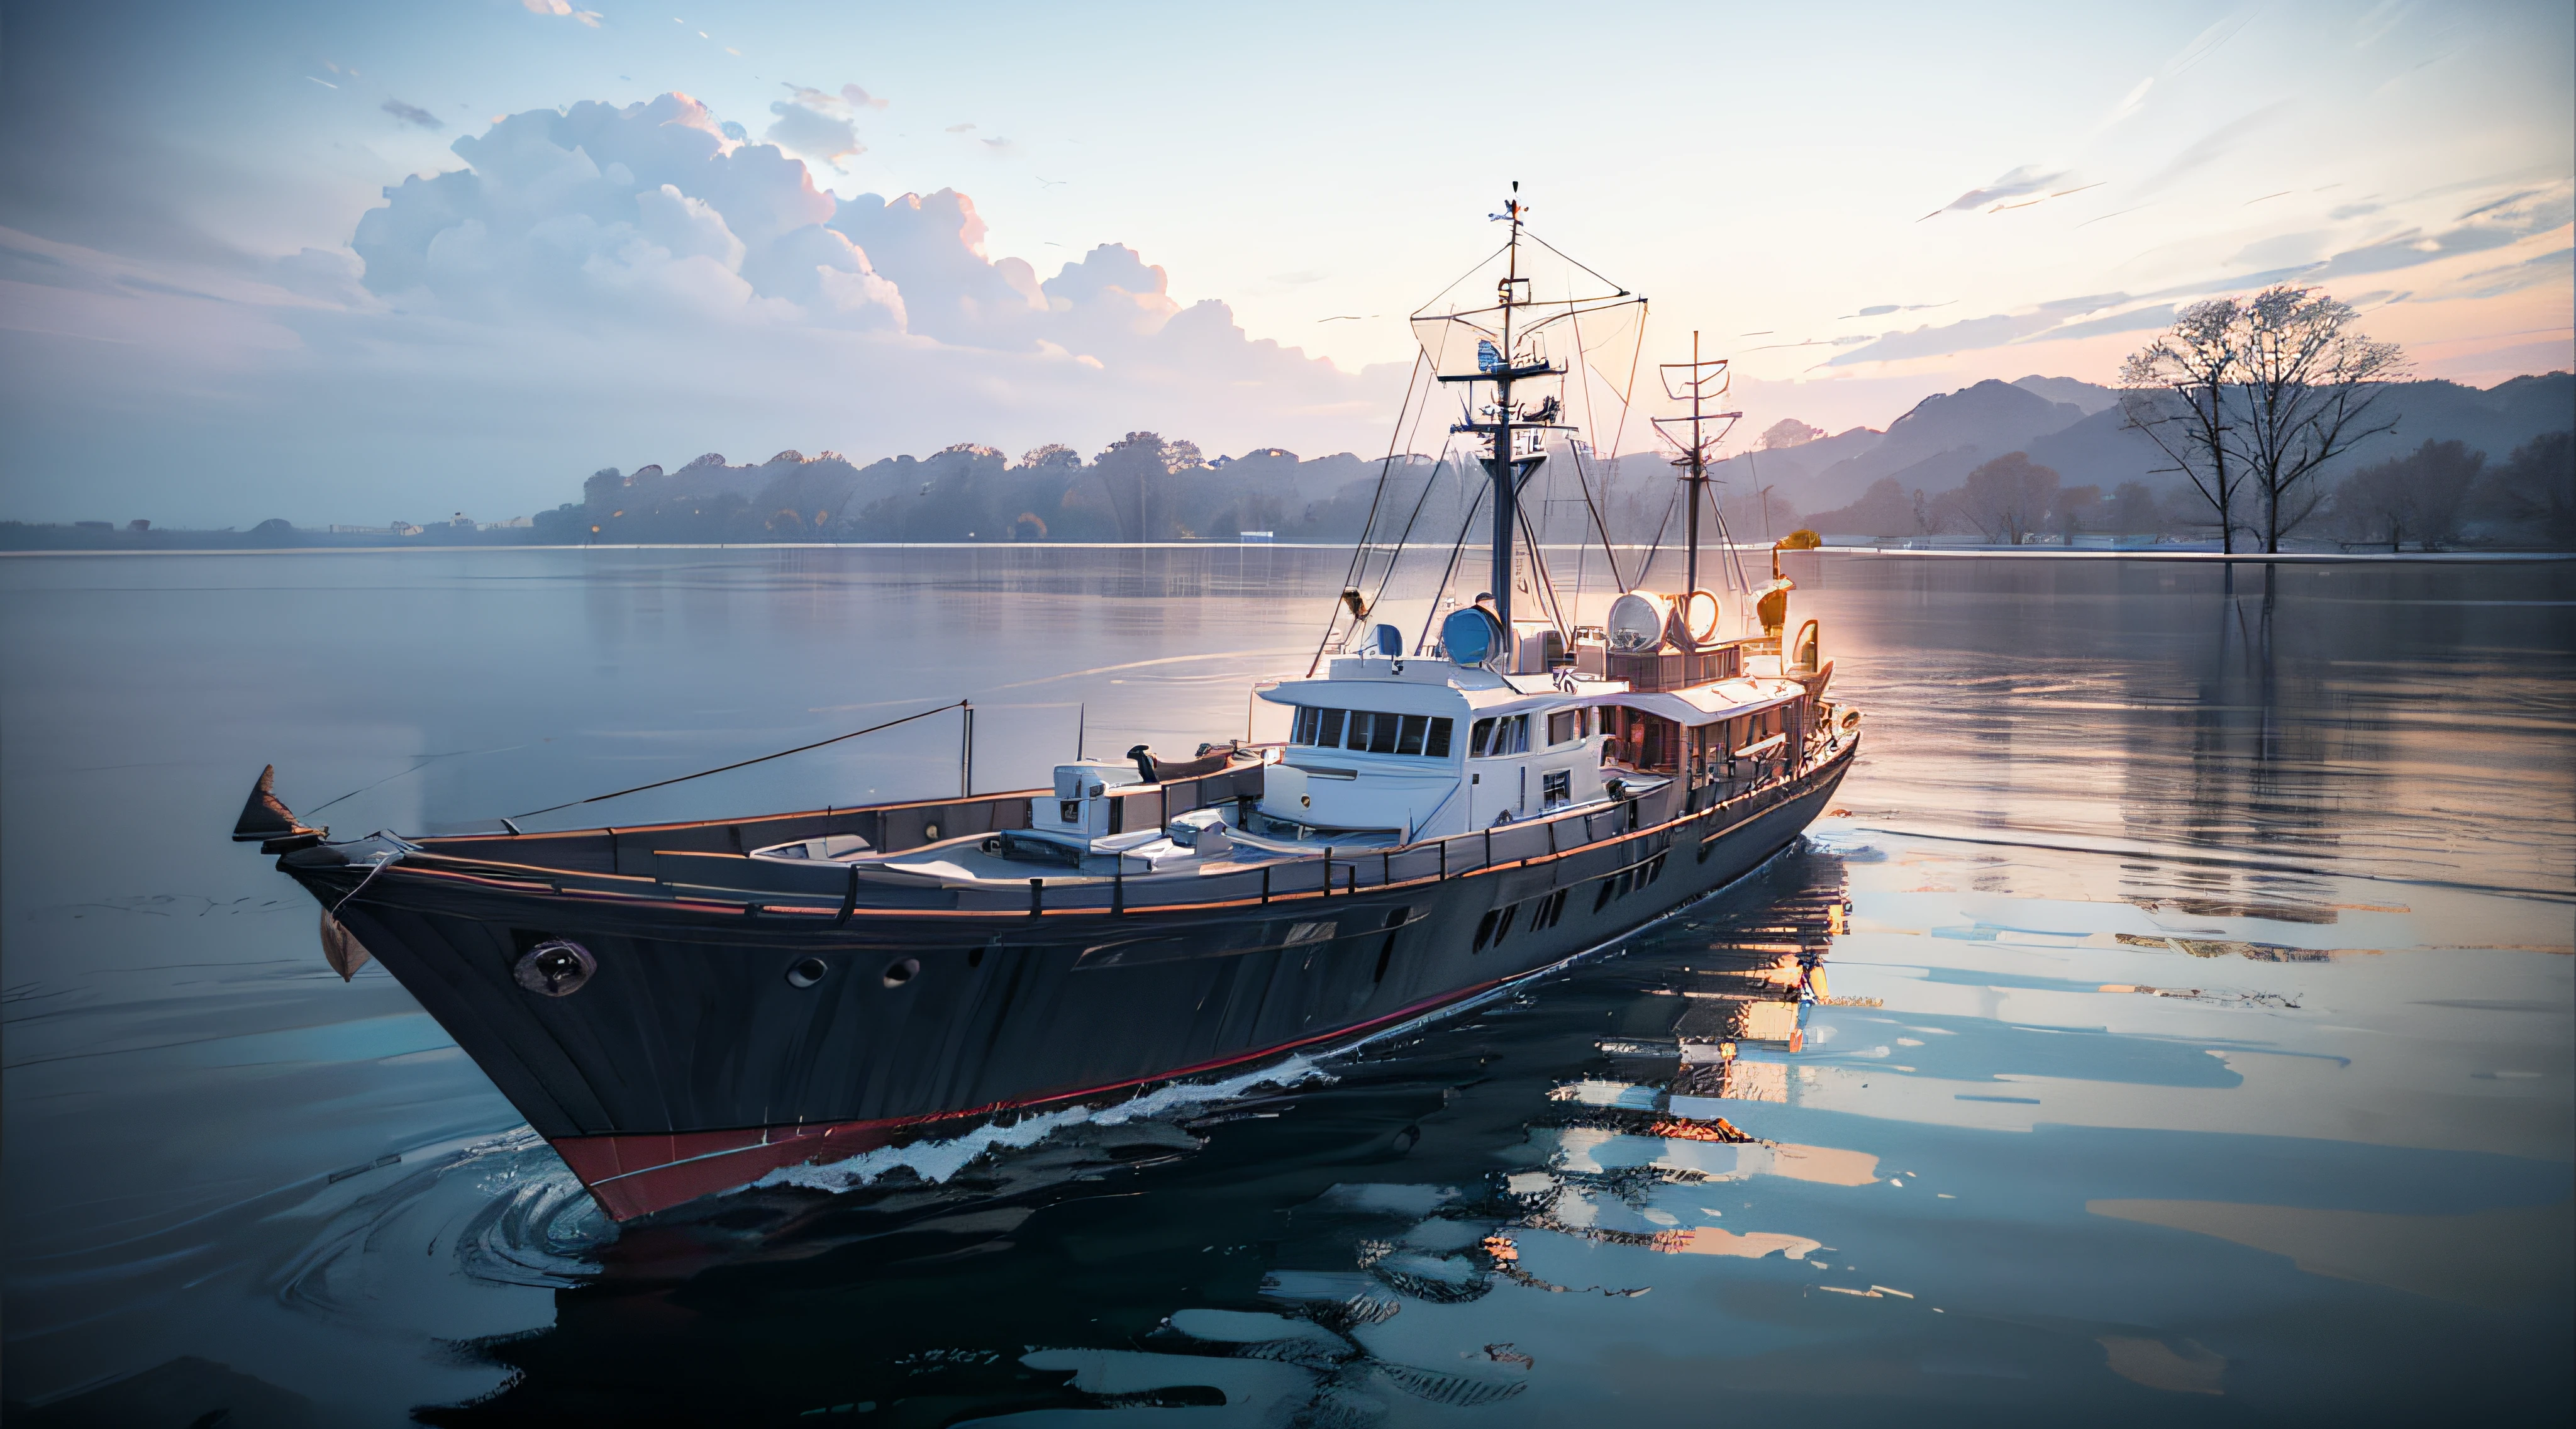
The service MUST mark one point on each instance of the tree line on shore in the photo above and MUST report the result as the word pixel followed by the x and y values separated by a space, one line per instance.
pixel 1142 487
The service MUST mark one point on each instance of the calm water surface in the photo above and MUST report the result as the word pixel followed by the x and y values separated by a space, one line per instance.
pixel 2199 1038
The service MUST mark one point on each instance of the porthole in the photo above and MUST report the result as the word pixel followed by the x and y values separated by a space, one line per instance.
pixel 556 967
pixel 805 972
pixel 930 833
pixel 900 971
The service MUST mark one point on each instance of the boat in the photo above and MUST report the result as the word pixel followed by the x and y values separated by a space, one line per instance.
pixel 681 1009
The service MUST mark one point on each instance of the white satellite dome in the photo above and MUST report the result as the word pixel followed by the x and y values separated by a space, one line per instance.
pixel 1638 619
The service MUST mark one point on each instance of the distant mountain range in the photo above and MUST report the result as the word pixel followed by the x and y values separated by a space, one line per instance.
pixel 2076 428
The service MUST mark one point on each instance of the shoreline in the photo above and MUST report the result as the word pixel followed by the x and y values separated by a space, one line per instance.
pixel 2128 553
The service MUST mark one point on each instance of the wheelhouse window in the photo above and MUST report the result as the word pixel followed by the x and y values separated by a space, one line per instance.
pixel 1372 732
pixel 1566 726
pixel 1493 737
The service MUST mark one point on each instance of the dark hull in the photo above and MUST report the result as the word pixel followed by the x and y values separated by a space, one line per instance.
pixel 689 1063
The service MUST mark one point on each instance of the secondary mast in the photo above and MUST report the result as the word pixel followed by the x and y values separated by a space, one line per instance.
pixel 1696 379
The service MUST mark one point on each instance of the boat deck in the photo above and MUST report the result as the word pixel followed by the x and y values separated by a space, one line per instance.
pixel 982 860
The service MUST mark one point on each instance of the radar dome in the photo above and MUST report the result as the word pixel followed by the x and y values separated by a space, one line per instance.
pixel 1470 635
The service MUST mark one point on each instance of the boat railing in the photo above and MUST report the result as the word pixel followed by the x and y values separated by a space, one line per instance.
pixel 1337 873
pixel 888 828
pixel 822 888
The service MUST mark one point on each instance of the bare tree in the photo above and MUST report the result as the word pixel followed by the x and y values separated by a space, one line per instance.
pixel 2250 398
pixel 2175 391
pixel 2308 384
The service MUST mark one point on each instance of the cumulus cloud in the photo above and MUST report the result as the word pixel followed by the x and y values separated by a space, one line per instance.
pixel 614 285
pixel 813 134
pixel 412 114
pixel 817 124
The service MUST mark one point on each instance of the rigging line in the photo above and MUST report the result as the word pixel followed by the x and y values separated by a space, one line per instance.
pixel 1406 536
pixel 1394 441
pixel 1412 439
pixel 1619 434
pixel 1599 524
pixel 743 763
pixel 1718 508
pixel 1647 567
pixel 1475 504
pixel 1729 541
pixel 1627 397
pixel 425 762
pixel 1591 424
pixel 1726 542
pixel 1541 585
pixel 1463 277
pixel 1552 248
pixel 1359 552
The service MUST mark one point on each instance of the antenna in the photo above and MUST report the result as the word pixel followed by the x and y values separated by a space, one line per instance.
pixel 1698 382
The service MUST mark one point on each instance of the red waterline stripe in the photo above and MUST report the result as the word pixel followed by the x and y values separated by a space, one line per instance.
pixel 991 1108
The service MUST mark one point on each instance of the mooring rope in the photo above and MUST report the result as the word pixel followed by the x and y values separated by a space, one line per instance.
pixel 742 763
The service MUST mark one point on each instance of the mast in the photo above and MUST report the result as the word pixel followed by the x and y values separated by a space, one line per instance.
pixel 1482 345
pixel 1694 379
pixel 1499 467
pixel 1698 473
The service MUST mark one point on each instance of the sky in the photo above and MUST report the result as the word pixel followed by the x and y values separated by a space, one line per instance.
pixel 357 263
